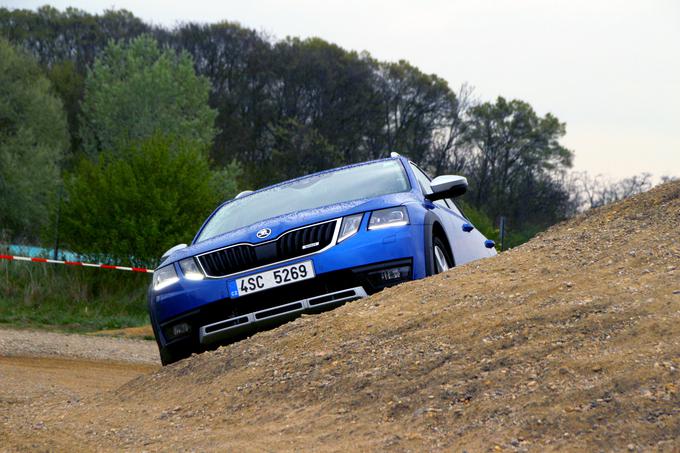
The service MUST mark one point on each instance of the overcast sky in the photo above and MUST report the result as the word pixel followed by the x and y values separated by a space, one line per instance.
pixel 610 69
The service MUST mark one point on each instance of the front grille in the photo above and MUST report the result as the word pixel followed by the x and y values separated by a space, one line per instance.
pixel 315 238
pixel 291 244
pixel 229 261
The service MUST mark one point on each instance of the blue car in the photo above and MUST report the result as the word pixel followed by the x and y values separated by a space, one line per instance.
pixel 308 245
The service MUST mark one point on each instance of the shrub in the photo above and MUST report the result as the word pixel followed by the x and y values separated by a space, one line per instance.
pixel 134 206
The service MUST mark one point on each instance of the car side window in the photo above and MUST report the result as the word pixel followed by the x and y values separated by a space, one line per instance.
pixel 422 178
pixel 424 182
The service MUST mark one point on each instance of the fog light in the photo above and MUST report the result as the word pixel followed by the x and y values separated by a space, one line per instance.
pixel 180 329
pixel 390 274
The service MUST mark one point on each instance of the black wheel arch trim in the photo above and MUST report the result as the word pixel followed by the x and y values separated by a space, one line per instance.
pixel 428 224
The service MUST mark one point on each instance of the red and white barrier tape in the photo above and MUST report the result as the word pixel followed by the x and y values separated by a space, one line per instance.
pixel 75 263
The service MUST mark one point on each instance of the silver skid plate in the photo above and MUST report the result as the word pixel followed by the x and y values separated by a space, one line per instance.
pixel 224 329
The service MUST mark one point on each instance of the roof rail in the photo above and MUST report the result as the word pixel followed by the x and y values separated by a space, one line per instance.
pixel 394 154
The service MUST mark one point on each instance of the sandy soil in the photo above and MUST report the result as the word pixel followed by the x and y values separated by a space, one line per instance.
pixel 570 342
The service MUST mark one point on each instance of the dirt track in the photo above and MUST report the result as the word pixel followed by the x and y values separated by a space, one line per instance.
pixel 28 343
pixel 570 342
pixel 37 366
pixel 27 378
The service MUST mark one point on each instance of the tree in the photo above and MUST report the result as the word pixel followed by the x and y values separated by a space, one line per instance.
pixel 517 161
pixel 54 36
pixel 298 150
pixel 132 206
pixel 320 85
pixel 418 108
pixel 238 63
pixel 33 137
pixel 65 43
pixel 138 90
pixel 68 83
pixel 598 191
pixel 449 151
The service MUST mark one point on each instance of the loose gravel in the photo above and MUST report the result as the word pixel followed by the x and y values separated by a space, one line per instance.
pixel 31 343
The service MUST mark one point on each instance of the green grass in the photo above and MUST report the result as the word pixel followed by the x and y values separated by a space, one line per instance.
pixel 73 299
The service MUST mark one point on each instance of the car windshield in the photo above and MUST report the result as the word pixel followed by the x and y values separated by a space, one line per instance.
pixel 347 184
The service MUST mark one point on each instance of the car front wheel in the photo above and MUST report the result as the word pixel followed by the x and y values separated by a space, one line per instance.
pixel 171 355
pixel 442 258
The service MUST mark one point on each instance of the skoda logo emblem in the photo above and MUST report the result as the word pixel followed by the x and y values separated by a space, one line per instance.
pixel 263 233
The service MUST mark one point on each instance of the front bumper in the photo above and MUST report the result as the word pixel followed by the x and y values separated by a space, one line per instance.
pixel 234 318
pixel 353 269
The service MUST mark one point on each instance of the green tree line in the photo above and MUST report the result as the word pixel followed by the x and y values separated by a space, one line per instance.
pixel 134 104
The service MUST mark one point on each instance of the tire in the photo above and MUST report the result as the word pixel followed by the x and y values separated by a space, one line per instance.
pixel 441 257
pixel 169 355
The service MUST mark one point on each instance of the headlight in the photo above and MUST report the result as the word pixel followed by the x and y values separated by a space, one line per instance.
pixel 190 270
pixel 350 226
pixel 386 218
pixel 164 277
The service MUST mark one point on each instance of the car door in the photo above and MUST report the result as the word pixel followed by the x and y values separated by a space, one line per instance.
pixel 467 243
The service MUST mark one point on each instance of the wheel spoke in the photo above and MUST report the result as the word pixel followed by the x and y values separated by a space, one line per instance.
pixel 442 264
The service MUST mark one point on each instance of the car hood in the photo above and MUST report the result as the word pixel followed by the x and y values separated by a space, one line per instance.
pixel 283 223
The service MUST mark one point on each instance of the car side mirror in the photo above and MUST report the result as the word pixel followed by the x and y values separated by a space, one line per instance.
pixel 172 250
pixel 447 186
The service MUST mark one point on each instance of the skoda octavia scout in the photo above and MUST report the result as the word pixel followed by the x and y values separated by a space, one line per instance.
pixel 308 245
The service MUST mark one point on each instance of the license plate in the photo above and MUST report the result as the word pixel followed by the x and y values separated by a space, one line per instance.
pixel 271 279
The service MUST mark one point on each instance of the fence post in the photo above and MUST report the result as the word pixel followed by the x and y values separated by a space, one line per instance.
pixel 502 227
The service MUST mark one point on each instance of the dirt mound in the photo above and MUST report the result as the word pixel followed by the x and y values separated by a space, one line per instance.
pixel 571 341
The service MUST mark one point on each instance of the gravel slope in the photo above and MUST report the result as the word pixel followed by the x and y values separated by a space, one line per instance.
pixel 570 342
